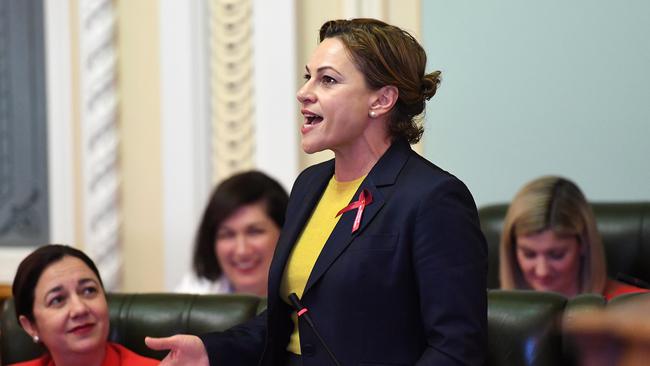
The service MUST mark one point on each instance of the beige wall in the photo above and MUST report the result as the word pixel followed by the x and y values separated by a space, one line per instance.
pixel 405 14
pixel 140 122
pixel 140 128
pixel 311 15
pixel 76 123
pixel 140 131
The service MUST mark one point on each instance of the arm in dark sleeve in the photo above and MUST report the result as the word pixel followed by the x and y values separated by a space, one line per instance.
pixel 450 259
pixel 240 345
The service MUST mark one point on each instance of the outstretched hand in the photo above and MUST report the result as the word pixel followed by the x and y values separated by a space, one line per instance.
pixel 183 350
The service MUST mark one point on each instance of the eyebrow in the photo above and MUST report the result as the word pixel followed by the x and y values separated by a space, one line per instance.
pixel 533 249
pixel 82 281
pixel 53 290
pixel 322 68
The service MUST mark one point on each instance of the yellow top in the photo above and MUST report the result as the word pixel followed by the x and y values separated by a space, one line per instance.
pixel 311 242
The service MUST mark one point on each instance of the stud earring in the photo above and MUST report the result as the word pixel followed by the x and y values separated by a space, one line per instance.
pixel 372 114
pixel 36 339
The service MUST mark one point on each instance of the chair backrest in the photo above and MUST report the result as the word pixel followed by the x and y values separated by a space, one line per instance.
pixel 134 316
pixel 624 228
pixel 524 328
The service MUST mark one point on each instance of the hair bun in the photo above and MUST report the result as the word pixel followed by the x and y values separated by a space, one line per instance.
pixel 429 84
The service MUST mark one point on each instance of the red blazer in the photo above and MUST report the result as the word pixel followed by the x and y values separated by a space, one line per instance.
pixel 615 288
pixel 116 355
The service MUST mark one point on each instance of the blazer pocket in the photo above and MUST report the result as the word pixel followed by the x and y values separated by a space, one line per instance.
pixel 375 242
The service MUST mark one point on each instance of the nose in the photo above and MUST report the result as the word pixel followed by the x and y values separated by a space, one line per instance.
pixel 305 94
pixel 541 267
pixel 241 246
pixel 78 307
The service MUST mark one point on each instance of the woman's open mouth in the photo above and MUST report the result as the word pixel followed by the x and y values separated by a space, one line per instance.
pixel 247 266
pixel 312 120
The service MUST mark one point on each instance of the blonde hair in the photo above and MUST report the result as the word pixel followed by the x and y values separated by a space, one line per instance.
pixel 557 204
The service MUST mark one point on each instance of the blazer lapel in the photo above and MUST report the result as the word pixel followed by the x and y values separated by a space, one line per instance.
pixel 379 183
pixel 296 220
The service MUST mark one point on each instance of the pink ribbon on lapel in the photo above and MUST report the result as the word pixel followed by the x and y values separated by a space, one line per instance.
pixel 365 198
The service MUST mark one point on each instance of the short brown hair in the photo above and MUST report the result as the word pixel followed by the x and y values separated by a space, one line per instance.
pixel 557 204
pixel 388 55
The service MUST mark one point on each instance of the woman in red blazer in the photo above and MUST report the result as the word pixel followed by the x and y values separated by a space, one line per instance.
pixel 60 302
pixel 382 247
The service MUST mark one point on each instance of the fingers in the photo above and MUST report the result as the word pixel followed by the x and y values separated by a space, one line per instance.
pixel 161 344
pixel 184 350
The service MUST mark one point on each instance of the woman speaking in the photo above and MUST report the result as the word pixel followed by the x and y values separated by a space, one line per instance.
pixel 381 253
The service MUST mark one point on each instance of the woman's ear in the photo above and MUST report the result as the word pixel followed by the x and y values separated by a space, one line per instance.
pixel 28 326
pixel 385 99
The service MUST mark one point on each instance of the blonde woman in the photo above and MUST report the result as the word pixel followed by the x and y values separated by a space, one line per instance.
pixel 550 242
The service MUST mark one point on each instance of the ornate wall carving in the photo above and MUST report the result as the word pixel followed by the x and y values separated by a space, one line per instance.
pixel 100 142
pixel 232 94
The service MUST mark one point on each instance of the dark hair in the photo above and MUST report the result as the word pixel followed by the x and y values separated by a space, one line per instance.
pixel 389 55
pixel 237 191
pixel 32 267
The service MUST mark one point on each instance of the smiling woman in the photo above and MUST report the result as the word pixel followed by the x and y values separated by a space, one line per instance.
pixel 60 302
pixel 237 236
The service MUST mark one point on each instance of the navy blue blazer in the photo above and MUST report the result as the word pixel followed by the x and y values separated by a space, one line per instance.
pixel 407 288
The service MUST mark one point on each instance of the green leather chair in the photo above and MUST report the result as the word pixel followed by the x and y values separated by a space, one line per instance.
pixel 134 316
pixel 524 327
pixel 624 228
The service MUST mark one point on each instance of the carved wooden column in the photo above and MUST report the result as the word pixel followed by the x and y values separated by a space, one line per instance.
pixel 232 92
pixel 100 142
